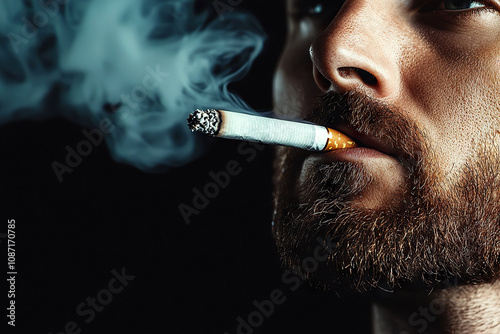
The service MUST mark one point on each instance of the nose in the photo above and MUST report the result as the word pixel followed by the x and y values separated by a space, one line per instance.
pixel 358 50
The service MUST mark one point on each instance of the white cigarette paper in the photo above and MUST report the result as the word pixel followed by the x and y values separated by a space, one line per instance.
pixel 234 125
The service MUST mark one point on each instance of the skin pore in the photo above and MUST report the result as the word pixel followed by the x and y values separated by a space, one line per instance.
pixel 417 206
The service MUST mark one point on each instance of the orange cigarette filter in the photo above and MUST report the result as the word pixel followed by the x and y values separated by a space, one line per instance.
pixel 337 139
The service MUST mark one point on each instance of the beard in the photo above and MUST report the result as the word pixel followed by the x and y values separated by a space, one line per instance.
pixel 437 229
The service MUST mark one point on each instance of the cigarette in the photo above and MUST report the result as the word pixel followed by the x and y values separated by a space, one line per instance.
pixel 235 125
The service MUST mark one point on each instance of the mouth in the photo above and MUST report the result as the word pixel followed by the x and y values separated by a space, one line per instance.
pixel 366 141
pixel 372 169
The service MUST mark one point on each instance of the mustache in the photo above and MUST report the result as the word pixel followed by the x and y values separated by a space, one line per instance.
pixel 369 116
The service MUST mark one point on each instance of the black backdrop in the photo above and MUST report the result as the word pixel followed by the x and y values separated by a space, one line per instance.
pixel 74 237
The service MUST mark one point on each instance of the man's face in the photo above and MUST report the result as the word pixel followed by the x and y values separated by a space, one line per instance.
pixel 417 85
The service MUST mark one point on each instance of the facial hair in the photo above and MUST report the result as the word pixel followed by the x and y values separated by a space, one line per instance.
pixel 436 230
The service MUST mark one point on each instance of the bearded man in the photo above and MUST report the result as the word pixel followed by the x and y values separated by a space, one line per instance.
pixel 415 209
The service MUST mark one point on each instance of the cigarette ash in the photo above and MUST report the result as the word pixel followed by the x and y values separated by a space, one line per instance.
pixel 205 121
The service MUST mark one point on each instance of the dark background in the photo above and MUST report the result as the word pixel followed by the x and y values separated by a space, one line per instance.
pixel 196 278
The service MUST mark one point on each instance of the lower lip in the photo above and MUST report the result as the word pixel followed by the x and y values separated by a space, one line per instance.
pixel 355 154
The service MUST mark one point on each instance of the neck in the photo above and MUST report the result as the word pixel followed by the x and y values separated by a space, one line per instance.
pixel 457 309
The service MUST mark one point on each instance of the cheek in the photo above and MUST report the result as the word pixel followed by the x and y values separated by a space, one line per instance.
pixel 456 102
pixel 288 99
pixel 294 89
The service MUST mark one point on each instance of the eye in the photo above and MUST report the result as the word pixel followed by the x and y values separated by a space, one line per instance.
pixel 458 8
pixel 315 9
pixel 461 4
pixel 302 8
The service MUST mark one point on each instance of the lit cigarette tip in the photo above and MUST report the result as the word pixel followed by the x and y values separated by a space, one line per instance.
pixel 204 121
pixel 233 125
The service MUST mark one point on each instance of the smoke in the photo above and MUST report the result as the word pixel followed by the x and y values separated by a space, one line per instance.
pixel 144 64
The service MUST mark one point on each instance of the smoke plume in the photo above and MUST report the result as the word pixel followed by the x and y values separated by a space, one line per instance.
pixel 144 64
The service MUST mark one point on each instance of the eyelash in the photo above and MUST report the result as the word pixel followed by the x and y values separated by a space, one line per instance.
pixel 462 14
pixel 301 9
pixel 459 14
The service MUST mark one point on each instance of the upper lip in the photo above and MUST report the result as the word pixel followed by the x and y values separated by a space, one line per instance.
pixel 367 140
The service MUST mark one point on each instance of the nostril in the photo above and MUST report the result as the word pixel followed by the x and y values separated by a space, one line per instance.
pixel 368 78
